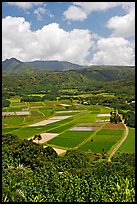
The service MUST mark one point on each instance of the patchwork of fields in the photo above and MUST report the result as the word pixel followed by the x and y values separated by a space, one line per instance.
pixel 85 128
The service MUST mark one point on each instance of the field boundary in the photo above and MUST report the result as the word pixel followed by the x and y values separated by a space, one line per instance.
pixel 119 143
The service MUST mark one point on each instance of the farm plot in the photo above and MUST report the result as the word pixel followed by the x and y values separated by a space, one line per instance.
pixel 18 104
pixel 83 128
pixel 103 114
pixel 96 146
pixel 105 109
pixel 28 132
pixel 128 145
pixel 13 120
pixel 36 113
pixel 110 132
pixel 63 127
pixel 50 120
pixel 45 111
pixel 102 120
pixel 93 108
pixel 14 109
pixel 103 140
pixel 63 113
pixel 70 138
pixel 87 118
pixel 45 137
pixel 114 126
pixel 36 103
pixel 90 124
pixel 7 130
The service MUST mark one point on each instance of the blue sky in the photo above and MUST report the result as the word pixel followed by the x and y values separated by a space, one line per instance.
pixel 79 32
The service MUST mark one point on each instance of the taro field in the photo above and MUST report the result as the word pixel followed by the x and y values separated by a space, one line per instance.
pixel 83 127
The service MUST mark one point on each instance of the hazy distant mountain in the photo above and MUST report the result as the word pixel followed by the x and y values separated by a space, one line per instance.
pixel 11 64
pixel 93 72
pixel 14 64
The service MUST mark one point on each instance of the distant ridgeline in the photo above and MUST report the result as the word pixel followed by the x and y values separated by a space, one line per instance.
pixel 16 65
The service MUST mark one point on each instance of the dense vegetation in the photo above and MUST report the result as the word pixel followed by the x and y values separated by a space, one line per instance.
pixel 32 173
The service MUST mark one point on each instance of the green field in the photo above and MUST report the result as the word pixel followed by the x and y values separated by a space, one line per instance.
pixel 110 132
pixel 103 139
pixel 128 145
pixel 63 114
pixel 62 128
pixel 70 138
pixel 96 146
pixel 86 117
pixel 12 120
pixel 7 130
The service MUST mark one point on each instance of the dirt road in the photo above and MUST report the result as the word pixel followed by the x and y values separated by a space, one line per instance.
pixel 119 144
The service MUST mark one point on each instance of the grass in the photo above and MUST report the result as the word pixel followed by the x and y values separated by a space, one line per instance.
pixel 18 104
pixel 70 138
pixel 28 132
pixel 66 113
pixel 103 118
pixel 7 130
pixel 45 111
pixel 15 109
pixel 96 146
pixel 110 132
pixel 106 138
pixel 128 145
pixel 86 117
pixel 105 109
pixel 62 128
pixel 103 139
pixel 13 120
pixel 36 104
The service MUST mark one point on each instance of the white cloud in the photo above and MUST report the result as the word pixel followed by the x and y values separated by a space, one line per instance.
pixel 83 9
pixel 54 43
pixel 50 42
pixel 75 13
pixel 114 51
pixel 123 25
pixel 40 12
pixel 25 5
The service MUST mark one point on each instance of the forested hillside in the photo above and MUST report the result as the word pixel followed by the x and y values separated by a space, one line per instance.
pixel 83 79
pixel 32 173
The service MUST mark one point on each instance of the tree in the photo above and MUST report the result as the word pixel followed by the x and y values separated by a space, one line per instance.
pixel 38 137
pixel 115 117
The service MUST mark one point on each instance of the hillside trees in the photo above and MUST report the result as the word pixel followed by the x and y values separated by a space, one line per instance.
pixel 115 117
pixel 129 118
pixel 31 173
pixel 5 103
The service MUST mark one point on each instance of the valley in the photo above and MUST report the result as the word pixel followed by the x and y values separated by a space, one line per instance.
pixel 68 124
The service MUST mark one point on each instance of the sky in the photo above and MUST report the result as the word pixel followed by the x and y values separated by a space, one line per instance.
pixel 85 33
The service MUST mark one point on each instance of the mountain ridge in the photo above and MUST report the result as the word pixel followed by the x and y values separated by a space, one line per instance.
pixel 13 64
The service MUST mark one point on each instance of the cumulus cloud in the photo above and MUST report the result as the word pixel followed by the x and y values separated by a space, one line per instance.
pixel 123 25
pixel 50 42
pixel 83 9
pixel 40 12
pixel 75 13
pixel 25 5
pixel 114 51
